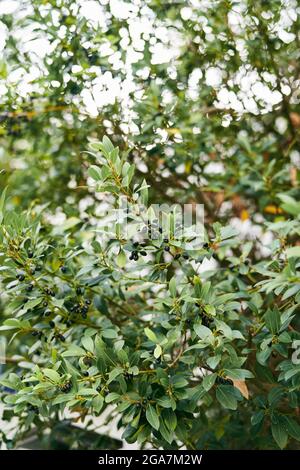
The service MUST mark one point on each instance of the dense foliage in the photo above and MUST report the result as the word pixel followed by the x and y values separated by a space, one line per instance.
pixel 188 102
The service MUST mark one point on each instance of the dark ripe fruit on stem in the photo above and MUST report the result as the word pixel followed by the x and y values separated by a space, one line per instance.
pixel 98 388
pixel 145 401
pixel 87 361
pixel 167 248
pixel 186 256
pixel 79 290
pixel 30 253
pixel 35 333
pixel 66 387
pixel 205 245
pixel 47 313
pixel 45 304
pixel 29 287
pixel 51 324
pixel 88 302
pixel 21 277
pixel 166 240
pixel 143 253
pixel 61 337
pixel 69 323
pixel 33 408
pixel 85 373
pixel 63 269
pixel 177 256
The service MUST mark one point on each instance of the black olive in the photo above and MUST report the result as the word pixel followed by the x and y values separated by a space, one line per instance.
pixel 51 324
pixel 167 248
pixel 66 387
pixel 45 304
pixel 64 269
pixel 143 253
pixel 47 313
pixel 205 245
pixel 88 301
pixel 21 277
pixel 85 373
pixel 29 287
pixel 30 253
pixel 61 337
pixel 35 333
pixel 177 256
pixel 87 361
pixel 186 256
pixel 79 291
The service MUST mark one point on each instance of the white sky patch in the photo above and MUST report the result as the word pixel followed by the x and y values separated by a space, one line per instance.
pixel 7 7
pixel 92 11
pixel 3 35
pixel 213 77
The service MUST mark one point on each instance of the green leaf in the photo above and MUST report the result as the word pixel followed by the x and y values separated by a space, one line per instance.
pixel 152 417
pixel 52 375
pixel 208 381
pixel 279 434
pixel 203 332
pixel 95 173
pixel 170 419
pixel 107 144
pixel 112 397
pixel 157 351
pixel 109 333
pixel 226 397
pixel 272 319
pixel 293 252
pixel 2 202
pixel 172 287
pixel 97 403
pixel 121 259
pixel 88 343
pixel 151 335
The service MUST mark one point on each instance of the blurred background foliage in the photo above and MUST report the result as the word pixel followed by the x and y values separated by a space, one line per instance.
pixel 207 92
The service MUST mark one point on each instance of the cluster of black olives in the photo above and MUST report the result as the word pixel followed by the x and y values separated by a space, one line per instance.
pixel 33 408
pixel 206 320
pixel 222 381
pixel 138 251
pixel 81 308
pixel 37 333
pixel 66 387
pixel 128 376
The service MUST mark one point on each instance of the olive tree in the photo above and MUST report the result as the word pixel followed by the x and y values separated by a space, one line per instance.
pixel 185 344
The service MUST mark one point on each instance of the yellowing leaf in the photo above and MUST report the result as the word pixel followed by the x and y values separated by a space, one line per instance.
pixel 242 387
